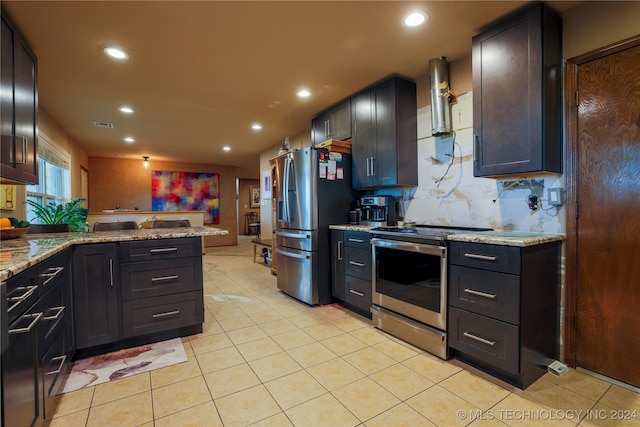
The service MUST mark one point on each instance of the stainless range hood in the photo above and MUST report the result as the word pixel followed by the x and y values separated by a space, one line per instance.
pixel 440 110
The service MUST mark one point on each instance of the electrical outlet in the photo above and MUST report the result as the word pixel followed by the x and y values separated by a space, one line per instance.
pixel 555 196
pixel 533 201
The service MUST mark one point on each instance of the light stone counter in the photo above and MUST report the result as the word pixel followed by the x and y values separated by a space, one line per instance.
pixel 17 255
pixel 507 238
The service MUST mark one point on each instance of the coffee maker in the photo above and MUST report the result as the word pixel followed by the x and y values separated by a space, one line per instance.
pixel 378 211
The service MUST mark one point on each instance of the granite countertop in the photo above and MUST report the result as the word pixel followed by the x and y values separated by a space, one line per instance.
pixel 17 255
pixel 507 238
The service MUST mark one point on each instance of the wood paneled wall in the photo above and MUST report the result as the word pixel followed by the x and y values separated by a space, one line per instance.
pixel 126 183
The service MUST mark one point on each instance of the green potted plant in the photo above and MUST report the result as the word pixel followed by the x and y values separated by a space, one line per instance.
pixel 72 213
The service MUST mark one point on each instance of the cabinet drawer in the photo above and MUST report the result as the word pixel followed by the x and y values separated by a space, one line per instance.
pixel 55 367
pixel 155 278
pixel 357 262
pixel 357 239
pixel 54 270
pixel 149 250
pixel 491 294
pixel 485 339
pixel 159 314
pixel 55 314
pixel 358 292
pixel 505 259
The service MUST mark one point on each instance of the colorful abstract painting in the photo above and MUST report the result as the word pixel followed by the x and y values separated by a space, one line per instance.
pixel 186 191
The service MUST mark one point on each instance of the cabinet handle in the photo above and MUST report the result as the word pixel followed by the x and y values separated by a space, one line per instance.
pixel 168 313
pixel 482 257
pixel 163 278
pixel 339 250
pixel 482 340
pixel 356 240
pixel 163 250
pixel 368 167
pixel 28 290
pixel 476 147
pixel 480 294
pixel 25 145
pixel 111 272
pixel 328 128
pixel 373 166
pixel 54 273
pixel 58 314
pixel 360 294
pixel 357 264
pixel 34 316
pixel 62 359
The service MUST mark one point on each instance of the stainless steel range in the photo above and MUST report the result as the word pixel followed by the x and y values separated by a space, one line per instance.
pixel 410 284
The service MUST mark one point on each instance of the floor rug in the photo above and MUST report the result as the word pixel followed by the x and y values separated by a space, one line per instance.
pixel 123 363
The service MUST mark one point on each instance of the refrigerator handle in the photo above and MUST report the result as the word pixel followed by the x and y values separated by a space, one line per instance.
pixel 293 235
pixel 291 254
pixel 285 191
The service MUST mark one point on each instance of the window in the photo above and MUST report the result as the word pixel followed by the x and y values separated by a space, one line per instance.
pixel 54 179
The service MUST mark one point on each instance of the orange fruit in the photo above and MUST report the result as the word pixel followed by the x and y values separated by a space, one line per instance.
pixel 4 223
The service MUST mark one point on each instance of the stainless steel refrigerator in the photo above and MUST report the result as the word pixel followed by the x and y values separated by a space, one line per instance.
pixel 314 191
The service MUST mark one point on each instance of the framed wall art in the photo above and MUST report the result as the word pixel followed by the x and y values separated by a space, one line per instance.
pixel 254 196
pixel 266 185
pixel 186 191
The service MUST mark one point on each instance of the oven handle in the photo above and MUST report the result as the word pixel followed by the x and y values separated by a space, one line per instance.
pixel 440 251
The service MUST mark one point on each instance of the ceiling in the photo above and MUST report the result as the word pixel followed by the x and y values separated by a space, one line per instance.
pixel 200 73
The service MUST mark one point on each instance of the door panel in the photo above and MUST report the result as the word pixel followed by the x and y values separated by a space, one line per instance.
pixel 297 194
pixel 608 225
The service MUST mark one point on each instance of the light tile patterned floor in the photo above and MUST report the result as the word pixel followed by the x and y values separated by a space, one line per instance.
pixel 265 359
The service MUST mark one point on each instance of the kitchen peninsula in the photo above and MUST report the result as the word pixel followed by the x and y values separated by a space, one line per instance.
pixel 70 295
pixel 19 254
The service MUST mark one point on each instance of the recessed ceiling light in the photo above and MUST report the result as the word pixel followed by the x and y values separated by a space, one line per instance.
pixel 226 148
pixel 129 139
pixel 414 19
pixel 303 93
pixel 256 126
pixel 126 110
pixel 115 52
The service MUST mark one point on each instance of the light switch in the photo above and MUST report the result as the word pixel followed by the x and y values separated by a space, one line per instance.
pixel 555 196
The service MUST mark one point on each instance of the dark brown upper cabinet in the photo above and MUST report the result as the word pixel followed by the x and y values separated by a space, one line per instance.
pixel 517 94
pixel 18 107
pixel 384 135
pixel 333 123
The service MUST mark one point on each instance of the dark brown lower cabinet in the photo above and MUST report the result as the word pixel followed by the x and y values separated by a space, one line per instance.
pixel 37 359
pixel 96 294
pixel 129 293
pixel 504 305
pixel 351 274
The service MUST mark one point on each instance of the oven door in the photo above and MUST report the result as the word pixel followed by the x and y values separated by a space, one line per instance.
pixel 411 279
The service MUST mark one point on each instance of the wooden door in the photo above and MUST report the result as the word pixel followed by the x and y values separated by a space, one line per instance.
pixel 608 218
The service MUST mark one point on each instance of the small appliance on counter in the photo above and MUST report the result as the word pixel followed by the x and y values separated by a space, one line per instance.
pixel 378 211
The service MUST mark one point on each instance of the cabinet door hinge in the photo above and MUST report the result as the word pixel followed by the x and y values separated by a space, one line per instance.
pixel 577 98
pixel 576 211
pixel 575 321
